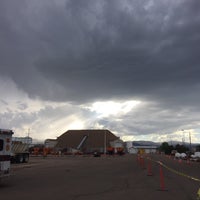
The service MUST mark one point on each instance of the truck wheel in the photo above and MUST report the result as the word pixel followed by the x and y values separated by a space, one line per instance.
pixel 25 158
pixel 19 159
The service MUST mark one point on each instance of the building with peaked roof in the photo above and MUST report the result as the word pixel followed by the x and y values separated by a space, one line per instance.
pixel 86 141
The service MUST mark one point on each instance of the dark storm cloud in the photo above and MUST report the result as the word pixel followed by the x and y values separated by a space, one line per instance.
pixel 86 50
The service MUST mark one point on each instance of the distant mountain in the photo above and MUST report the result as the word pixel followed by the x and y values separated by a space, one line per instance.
pixel 145 143
pixel 173 143
pixel 187 144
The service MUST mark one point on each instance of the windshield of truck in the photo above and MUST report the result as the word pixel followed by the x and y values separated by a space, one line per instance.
pixel 1 145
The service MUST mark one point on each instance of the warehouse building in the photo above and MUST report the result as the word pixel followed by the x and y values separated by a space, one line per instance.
pixel 87 141
pixel 50 143
pixel 137 147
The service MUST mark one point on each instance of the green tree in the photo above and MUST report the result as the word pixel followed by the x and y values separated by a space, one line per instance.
pixel 198 148
pixel 165 147
pixel 181 148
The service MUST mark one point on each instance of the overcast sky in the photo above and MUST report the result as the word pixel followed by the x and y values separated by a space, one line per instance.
pixel 129 66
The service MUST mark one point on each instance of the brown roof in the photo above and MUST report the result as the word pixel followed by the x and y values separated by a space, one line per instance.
pixel 95 139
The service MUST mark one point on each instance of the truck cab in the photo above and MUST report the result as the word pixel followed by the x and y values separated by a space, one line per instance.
pixel 5 151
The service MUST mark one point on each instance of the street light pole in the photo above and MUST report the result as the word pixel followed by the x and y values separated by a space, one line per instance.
pixel 105 142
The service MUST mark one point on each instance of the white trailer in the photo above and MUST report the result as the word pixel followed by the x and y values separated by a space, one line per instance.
pixel 5 152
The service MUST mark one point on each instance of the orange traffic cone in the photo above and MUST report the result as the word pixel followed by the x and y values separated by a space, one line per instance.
pixel 162 182
pixel 149 168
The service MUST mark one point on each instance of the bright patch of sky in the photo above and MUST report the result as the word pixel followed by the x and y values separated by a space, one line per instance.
pixel 107 108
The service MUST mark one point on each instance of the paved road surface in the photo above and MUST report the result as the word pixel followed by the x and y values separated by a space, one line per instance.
pixel 104 178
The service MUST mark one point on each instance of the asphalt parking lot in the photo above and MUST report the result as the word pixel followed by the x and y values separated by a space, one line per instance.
pixel 101 178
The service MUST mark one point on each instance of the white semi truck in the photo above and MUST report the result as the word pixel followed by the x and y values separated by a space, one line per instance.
pixel 11 151
pixel 5 152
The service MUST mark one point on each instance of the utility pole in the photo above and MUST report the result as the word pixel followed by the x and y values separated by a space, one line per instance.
pixel 28 132
pixel 183 138
pixel 190 142
pixel 28 137
pixel 105 142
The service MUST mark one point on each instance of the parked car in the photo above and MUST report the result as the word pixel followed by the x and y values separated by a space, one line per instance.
pixel 97 154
